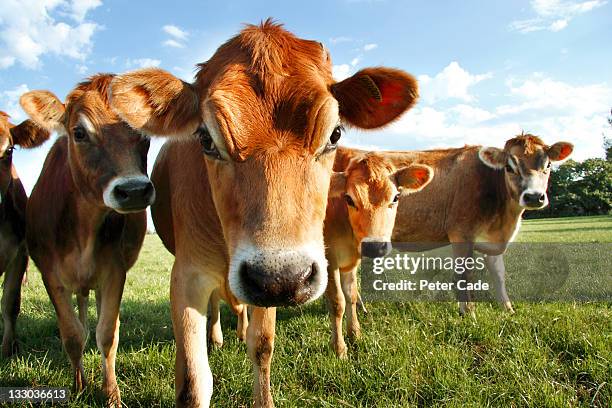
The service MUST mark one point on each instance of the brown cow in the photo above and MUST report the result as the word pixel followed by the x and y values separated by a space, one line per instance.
pixel 244 200
pixel 475 201
pixel 361 210
pixel 13 251
pixel 86 218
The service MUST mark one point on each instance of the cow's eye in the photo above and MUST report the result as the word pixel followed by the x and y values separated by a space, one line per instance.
pixel 335 136
pixel 396 198
pixel 349 201
pixel 208 144
pixel 510 169
pixel 8 153
pixel 548 166
pixel 80 134
pixel 332 143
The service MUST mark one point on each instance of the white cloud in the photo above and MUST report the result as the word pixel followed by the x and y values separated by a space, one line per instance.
pixel 179 36
pixel 554 15
pixel 142 63
pixel 82 69
pixel 175 32
pixel 9 102
pixel 341 39
pixel 453 82
pixel 341 71
pixel 370 47
pixel 173 43
pixel 32 29
pixel 80 8
pixel 552 109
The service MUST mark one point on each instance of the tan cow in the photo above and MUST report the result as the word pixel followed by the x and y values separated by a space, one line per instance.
pixel 475 201
pixel 86 218
pixel 243 200
pixel 13 199
pixel 360 214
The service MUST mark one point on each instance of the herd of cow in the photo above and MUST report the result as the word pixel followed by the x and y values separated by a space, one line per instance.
pixel 252 194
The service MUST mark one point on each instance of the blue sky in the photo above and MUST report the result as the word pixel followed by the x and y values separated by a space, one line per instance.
pixel 486 69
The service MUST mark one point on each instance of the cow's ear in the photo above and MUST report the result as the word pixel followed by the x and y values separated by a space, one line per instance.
pixel 337 185
pixel 493 157
pixel 28 134
pixel 373 97
pixel 45 109
pixel 155 102
pixel 413 178
pixel 560 151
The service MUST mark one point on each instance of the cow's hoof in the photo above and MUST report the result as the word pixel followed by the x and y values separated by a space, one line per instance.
pixel 508 307
pixel 9 348
pixel 113 398
pixel 341 351
pixel 467 308
pixel 354 333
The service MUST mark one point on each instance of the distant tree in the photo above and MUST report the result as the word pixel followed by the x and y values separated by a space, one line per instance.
pixel 579 188
pixel 608 141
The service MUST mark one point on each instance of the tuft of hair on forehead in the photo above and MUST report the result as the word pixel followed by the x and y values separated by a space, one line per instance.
pixel 99 83
pixel 527 142
pixel 370 167
pixel 269 52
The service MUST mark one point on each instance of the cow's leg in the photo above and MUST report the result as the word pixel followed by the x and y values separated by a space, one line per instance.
pixel 11 299
pixel 260 345
pixel 215 334
pixel 465 297
pixel 83 304
pixel 497 270
pixel 71 329
pixel 107 332
pixel 351 294
pixel 335 306
pixel 190 291
pixel 243 321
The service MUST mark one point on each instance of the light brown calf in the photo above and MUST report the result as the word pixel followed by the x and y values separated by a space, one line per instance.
pixel 13 199
pixel 86 218
pixel 475 201
pixel 242 202
pixel 360 216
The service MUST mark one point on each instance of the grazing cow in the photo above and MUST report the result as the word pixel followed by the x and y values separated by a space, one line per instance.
pixel 361 210
pixel 86 218
pixel 13 251
pixel 242 202
pixel 476 200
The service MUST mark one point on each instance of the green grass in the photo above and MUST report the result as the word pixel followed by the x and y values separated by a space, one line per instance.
pixel 412 354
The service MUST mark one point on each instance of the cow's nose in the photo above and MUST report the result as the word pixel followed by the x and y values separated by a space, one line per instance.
pixel 271 282
pixel 534 199
pixel 373 249
pixel 132 194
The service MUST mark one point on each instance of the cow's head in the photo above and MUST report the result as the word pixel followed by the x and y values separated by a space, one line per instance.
pixel 526 161
pixel 26 135
pixel 371 188
pixel 268 116
pixel 107 158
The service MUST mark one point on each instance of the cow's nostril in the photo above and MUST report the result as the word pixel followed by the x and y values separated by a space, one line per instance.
pixel 311 274
pixel 541 198
pixel 121 194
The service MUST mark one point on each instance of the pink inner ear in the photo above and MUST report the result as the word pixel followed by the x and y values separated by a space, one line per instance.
pixel 565 151
pixel 421 175
pixel 392 92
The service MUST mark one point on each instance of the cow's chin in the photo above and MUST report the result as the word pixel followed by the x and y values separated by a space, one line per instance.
pixel 277 277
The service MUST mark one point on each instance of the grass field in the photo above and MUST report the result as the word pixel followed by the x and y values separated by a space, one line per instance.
pixel 420 354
